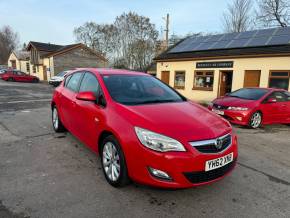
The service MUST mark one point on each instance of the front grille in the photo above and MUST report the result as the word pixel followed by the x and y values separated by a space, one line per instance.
pixel 206 176
pixel 214 145
pixel 220 107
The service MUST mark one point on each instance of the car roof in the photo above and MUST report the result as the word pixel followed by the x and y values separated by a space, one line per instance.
pixel 110 71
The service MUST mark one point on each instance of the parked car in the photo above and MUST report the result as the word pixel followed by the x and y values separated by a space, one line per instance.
pixel 56 80
pixel 3 67
pixel 3 71
pixel 143 129
pixel 18 76
pixel 254 107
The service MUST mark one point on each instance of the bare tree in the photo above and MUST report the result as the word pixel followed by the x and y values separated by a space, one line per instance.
pixel 237 17
pixel 130 42
pixel 273 13
pixel 135 40
pixel 99 37
pixel 9 41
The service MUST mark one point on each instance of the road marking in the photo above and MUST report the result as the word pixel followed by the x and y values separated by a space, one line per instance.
pixel 25 111
pixel 15 102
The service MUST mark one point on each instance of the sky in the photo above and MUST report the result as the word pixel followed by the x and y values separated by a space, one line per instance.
pixel 54 20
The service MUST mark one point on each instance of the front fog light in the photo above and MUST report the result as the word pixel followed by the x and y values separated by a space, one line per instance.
pixel 159 174
pixel 239 118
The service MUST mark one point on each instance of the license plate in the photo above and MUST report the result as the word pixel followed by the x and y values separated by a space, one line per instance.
pixel 219 162
pixel 218 112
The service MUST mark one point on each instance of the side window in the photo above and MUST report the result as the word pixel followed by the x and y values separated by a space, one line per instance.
pixel 73 83
pixel 67 80
pixel 89 83
pixel 279 96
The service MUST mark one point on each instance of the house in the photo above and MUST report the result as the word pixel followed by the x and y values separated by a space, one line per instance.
pixel 45 60
pixel 205 67
pixel 20 60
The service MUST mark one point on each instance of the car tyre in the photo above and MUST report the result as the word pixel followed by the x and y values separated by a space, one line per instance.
pixel 10 79
pixel 56 122
pixel 256 120
pixel 113 162
pixel 35 80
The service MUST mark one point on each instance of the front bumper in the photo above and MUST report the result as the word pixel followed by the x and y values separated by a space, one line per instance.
pixel 236 117
pixel 187 169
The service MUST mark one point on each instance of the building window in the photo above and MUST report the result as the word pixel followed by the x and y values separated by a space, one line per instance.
pixel 203 80
pixel 179 80
pixel 34 69
pixel 27 67
pixel 279 79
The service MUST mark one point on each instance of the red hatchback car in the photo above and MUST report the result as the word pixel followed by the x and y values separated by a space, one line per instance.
pixel 254 107
pixel 143 129
pixel 17 76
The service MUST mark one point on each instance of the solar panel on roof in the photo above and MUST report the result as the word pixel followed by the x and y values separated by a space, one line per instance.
pixel 230 36
pixel 204 46
pixel 266 32
pixel 215 38
pixel 279 40
pixel 191 46
pixel 220 45
pixel 248 34
pixel 257 41
pixel 257 38
pixel 283 31
pixel 237 43
pixel 200 39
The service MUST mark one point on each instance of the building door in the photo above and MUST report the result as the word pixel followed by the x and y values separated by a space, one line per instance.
pixel 225 85
pixel 44 73
pixel 252 78
pixel 13 64
pixel 165 77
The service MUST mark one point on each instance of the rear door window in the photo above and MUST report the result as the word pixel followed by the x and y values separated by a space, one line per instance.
pixel 73 82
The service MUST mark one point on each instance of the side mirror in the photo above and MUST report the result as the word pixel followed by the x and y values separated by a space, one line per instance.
pixel 271 100
pixel 86 96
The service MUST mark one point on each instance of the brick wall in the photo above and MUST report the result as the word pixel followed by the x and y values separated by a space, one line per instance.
pixel 76 58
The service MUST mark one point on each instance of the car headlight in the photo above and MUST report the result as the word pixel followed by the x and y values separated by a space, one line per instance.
pixel 158 142
pixel 238 108
pixel 210 104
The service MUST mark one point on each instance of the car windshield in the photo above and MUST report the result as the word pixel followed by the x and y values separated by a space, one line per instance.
pixel 250 94
pixel 139 89
pixel 61 73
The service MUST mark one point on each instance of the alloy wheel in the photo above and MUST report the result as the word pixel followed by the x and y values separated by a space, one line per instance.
pixel 111 161
pixel 55 118
pixel 256 120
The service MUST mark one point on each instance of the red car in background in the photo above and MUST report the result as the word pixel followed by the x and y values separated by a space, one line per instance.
pixel 254 107
pixel 143 129
pixel 17 76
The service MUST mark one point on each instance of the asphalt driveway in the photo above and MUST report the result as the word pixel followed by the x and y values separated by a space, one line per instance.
pixel 44 174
